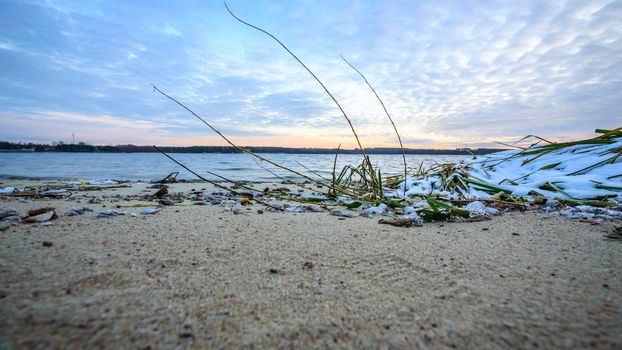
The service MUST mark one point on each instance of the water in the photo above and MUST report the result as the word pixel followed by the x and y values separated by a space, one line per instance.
pixel 150 166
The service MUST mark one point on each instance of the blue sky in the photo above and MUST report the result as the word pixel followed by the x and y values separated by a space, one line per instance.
pixel 452 73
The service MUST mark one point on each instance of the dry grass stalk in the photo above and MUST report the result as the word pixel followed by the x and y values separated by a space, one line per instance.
pixel 399 138
pixel 244 150
pixel 345 115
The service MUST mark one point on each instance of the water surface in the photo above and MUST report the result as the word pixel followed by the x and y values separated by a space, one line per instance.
pixel 149 166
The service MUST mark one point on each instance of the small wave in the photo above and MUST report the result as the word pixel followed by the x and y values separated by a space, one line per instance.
pixel 236 169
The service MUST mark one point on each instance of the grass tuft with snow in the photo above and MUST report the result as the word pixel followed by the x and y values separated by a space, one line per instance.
pixel 584 172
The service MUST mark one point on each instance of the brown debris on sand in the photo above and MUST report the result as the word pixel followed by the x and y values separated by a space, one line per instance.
pixel 39 215
pixel 399 222
pixel 163 191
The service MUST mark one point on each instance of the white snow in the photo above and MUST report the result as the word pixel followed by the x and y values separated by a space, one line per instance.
pixel 380 209
pixel 571 169
pixel 7 190
pixel 478 208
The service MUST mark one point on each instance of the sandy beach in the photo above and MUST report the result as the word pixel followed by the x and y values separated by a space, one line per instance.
pixel 202 277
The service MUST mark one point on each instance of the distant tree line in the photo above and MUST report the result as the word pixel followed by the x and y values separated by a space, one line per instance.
pixel 82 147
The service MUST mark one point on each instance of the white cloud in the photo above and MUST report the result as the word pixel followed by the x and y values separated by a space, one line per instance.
pixel 5 45
pixel 170 30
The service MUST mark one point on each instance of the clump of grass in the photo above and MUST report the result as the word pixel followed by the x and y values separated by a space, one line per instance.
pixel 460 180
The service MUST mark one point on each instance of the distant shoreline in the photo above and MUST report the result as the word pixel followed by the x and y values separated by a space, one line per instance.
pixel 84 148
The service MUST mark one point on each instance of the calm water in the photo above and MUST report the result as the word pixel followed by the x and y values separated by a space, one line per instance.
pixel 149 166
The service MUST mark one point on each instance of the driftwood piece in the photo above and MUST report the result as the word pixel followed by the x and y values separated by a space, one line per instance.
pixel 399 222
pixel 99 188
pixel 170 178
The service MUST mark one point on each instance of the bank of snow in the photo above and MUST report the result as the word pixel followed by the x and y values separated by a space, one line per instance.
pixel 583 170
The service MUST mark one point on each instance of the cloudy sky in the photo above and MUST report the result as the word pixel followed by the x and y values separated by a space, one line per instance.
pixel 452 73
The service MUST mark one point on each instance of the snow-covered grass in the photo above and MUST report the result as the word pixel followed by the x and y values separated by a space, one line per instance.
pixel 580 171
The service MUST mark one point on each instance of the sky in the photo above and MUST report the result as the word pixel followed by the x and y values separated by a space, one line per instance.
pixel 451 73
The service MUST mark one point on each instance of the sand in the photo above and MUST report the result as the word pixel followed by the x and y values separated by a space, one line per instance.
pixel 200 277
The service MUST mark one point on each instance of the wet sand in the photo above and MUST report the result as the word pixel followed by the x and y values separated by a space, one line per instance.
pixel 198 276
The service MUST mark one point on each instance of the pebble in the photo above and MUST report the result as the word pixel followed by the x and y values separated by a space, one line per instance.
pixel 8 214
pixel 294 209
pixel 343 213
pixel 314 208
pixel 10 218
pixel 109 213
pixel 78 211
pixel 149 211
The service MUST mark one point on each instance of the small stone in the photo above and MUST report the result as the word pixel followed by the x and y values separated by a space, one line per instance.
pixel 429 335
pixel 259 211
pixel 343 213
pixel 273 271
pixel 8 214
pixel 109 213
pixel 166 201
pixel 149 211
pixel 47 243
pixel 314 208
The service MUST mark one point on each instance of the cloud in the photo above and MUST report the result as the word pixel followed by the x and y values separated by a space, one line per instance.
pixel 450 73
pixel 5 45
pixel 170 30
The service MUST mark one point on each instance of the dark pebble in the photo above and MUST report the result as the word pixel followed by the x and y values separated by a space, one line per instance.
pixel 47 243
pixel 274 271
pixel 185 335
